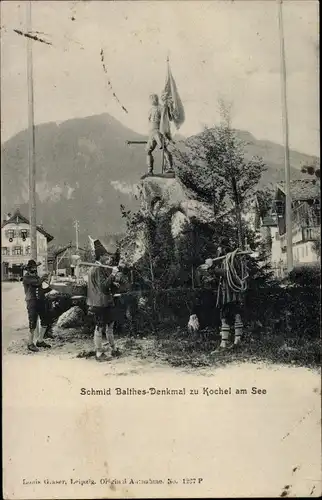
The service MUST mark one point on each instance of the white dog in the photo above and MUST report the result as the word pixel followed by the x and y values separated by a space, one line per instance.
pixel 193 324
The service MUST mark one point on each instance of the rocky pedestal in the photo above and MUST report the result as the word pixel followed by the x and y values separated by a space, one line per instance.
pixel 164 197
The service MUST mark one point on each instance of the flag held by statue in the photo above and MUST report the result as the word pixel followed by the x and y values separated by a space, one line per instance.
pixel 173 110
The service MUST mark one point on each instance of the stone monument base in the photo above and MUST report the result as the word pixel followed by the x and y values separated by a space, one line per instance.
pixel 165 175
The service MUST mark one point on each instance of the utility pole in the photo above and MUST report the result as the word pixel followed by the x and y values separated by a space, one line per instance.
pixel 76 225
pixel 31 155
pixel 75 258
pixel 288 204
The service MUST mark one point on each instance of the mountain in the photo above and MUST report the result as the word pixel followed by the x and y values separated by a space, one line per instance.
pixel 273 156
pixel 85 170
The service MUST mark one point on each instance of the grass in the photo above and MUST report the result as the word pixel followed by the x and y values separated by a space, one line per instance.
pixel 178 349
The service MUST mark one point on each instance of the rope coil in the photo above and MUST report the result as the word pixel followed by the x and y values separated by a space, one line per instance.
pixel 235 281
pixel 232 280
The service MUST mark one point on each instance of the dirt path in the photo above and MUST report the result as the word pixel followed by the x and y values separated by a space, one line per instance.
pixel 237 444
pixel 14 314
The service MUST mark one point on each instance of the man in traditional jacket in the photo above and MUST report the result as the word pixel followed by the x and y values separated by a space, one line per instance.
pixel 229 301
pixel 36 305
pixel 101 287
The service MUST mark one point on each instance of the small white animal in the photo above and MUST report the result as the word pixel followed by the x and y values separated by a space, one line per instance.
pixel 193 324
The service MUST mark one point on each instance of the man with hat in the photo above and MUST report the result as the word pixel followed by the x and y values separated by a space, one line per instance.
pixel 36 304
pixel 101 282
pixel 229 301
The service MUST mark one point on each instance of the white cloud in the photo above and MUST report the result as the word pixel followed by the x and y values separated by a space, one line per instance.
pixel 123 187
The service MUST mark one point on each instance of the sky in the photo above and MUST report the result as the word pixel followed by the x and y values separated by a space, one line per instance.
pixel 219 49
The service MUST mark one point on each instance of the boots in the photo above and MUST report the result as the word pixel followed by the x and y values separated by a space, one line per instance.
pixel 238 329
pixel 150 163
pixel 31 342
pixel 109 333
pixel 238 332
pixel 40 342
pixel 169 161
pixel 224 332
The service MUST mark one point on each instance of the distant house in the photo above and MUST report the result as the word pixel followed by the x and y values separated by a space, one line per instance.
pixel 305 194
pixel 15 245
pixel 61 260
pixel 306 220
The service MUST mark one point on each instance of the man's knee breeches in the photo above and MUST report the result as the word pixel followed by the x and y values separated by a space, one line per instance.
pixel 37 308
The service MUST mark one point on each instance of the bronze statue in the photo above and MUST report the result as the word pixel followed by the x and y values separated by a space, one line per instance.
pixel 156 138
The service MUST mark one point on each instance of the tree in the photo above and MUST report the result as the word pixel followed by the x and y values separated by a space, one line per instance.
pixel 214 166
pixel 193 247
pixel 157 266
pixel 312 169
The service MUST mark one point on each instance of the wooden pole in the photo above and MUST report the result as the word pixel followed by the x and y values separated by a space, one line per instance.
pixel 77 249
pixel 136 142
pixel 93 264
pixel 288 204
pixel 238 215
pixel 162 156
pixel 31 128
pixel 77 229
pixel 243 252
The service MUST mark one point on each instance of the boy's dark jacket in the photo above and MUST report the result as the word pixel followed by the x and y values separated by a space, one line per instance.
pixel 32 284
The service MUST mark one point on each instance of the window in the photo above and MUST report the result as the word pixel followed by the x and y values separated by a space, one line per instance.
pixel 10 233
pixel 302 252
pixel 17 251
pixel 28 250
pixel 24 234
pixel 306 250
pixel 5 251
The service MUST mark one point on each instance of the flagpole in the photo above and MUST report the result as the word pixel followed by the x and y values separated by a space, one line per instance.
pixel 288 204
pixel 31 151
pixel 163 139
pixel 162 155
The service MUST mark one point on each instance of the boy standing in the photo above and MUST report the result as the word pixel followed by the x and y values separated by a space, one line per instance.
pixel 100 299
pixel 36 305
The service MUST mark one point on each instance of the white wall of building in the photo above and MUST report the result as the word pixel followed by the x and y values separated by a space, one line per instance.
pixel 17 251
pixel 303 251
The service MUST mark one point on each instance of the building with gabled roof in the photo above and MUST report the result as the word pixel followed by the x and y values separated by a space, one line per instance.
pixel 270 224
pixel 306 220
pixel 15 245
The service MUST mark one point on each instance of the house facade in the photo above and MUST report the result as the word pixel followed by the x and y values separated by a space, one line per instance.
pixel 16 245
pixel 305 194
pixel 306 222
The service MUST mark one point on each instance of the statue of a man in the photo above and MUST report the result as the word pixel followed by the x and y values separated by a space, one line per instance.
pixel 156 138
